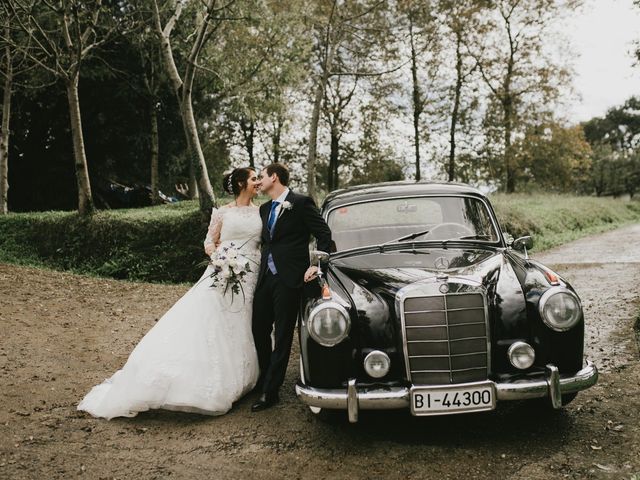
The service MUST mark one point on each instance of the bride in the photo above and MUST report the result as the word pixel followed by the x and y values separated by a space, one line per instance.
pixel 200 356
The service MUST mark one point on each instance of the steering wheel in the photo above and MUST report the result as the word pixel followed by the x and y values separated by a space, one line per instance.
pixel 447 230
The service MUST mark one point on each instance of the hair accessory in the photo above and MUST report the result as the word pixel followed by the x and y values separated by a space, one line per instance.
pixel 230 184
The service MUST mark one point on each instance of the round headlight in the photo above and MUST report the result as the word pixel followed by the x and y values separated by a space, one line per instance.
pixel 560 309
pixel 377 364
pixel 521 355
pixel 329 324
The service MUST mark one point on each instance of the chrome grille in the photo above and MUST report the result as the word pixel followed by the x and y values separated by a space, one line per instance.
pixel 446 338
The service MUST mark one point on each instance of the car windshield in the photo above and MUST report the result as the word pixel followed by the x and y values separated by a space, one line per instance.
pixel 408 219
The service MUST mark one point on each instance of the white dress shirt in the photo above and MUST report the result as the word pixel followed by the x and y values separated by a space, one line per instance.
pixel 281 199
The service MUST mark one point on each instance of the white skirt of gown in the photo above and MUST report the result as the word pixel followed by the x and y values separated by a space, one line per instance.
pixel 199 357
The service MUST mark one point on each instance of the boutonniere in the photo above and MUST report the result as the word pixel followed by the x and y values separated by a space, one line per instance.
pixel 287 205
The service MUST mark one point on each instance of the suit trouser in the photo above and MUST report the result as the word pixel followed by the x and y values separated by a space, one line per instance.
pixel 275 306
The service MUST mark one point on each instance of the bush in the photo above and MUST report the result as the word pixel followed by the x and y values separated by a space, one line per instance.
pixel 157 244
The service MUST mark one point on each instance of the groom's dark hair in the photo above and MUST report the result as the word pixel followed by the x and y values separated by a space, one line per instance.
pixel 280 170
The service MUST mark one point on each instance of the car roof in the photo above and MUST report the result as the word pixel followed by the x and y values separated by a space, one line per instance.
pixel 392 189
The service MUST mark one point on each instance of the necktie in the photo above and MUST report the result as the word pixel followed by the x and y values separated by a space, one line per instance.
pixel 272 216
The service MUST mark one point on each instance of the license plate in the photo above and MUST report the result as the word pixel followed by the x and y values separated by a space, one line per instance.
pixel 474 397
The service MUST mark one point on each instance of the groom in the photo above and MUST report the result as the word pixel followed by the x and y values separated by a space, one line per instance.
pixel 288 221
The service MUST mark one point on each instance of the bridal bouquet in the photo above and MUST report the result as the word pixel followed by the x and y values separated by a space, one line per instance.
pixel 229 270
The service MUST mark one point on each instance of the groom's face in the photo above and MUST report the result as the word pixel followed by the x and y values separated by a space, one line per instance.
pixel 266 182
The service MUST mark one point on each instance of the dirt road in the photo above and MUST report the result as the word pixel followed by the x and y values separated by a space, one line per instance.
pixel 63 333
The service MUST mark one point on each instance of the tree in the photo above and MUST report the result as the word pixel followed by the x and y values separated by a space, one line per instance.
pixel 349 41
pixel 206 24
pixel 516 69
pixel 616 140
pixel 373 161
pixel 462 20
pixel 422 33
pixel 553 157
pixel 260 101
pixel 326 36
pixel 7 60
pixel 62 35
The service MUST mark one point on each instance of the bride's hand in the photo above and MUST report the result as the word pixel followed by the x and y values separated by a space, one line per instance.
pixel 311 273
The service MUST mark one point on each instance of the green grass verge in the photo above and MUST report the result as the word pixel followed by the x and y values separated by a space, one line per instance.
pixel 164 243
pixel 557 219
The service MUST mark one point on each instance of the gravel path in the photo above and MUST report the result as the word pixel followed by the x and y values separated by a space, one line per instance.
pixel 63 333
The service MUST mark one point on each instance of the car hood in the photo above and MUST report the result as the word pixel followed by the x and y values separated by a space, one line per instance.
pixel 372 281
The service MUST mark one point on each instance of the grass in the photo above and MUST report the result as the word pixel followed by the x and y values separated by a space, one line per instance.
pixel 164 243
pixel 557 219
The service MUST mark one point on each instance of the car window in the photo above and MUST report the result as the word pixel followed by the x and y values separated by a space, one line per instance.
pixel 381 221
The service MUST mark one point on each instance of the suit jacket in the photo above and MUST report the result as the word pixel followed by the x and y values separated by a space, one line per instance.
pixel 290 243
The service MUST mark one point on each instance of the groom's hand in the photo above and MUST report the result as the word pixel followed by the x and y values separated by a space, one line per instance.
pixel 311 273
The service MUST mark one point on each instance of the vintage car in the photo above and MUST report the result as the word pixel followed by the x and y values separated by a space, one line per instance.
pixel 427 305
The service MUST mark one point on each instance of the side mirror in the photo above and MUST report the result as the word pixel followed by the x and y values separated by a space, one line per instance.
pixel 523 244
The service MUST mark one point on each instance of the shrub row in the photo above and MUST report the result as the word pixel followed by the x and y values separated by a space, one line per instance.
pixel 156 244
pixel 164 243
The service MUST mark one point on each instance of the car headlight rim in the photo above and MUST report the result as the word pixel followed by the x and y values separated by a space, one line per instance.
pixel 517 350
pixel 313 316
pixel 553 323
pixel 377 355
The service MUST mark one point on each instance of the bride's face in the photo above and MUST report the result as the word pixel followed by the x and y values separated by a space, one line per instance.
pixel 253 184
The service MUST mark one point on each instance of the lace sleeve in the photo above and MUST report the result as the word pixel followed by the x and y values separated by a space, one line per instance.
pixel 212 240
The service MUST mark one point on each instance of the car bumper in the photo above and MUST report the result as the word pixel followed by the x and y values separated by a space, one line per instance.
pixel 354 398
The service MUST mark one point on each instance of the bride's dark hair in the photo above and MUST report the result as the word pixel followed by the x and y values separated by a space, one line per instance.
pixel 233 183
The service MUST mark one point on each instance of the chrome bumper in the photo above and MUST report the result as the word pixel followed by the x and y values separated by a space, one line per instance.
pixel 354 398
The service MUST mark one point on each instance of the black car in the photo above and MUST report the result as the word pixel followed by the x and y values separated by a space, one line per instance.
pixel 427 305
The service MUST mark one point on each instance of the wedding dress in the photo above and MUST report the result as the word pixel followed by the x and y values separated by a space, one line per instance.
pixel 200 356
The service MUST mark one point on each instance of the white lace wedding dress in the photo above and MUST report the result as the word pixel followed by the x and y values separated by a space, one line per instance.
pixel 200 356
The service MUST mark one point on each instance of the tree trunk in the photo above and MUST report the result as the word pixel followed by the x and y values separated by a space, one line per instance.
pixel 456 109
pixel 277 134
pixel 248 132
pixel 313 137
pixel 315 120
pixel 85 199
pixel 417 103
pixel 508 126
pixel 4 136
pixel 334 159
pixel 155 150
pixel 205 190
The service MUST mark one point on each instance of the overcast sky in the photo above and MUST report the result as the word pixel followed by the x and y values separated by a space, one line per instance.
pixel 602 34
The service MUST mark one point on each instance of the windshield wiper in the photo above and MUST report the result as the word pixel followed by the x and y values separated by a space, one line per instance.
pixel 411 236
pixel 472 237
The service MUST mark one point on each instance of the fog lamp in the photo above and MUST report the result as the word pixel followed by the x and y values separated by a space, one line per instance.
pixel 521 355
pixel 329 323
pixel 377 364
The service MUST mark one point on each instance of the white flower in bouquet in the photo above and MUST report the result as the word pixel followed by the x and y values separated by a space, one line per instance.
pixel 230 269
pixel 217 262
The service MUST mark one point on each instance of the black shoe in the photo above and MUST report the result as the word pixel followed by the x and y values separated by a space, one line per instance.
pixel 265 401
